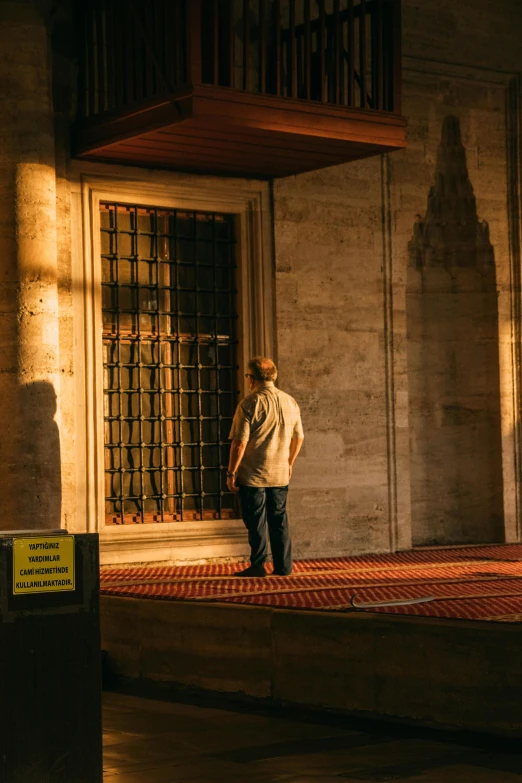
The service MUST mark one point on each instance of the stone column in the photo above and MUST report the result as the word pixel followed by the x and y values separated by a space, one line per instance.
pixel 29 371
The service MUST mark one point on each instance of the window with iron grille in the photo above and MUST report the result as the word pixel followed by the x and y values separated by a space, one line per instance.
pixel 170 372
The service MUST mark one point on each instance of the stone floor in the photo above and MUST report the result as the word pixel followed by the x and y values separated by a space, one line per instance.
pixel 163 742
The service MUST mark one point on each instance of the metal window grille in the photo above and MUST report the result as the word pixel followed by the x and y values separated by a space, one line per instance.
pixel 170 372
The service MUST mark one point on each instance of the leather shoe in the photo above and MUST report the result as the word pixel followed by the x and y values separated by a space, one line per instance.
pixel 252 571
pixel 281 573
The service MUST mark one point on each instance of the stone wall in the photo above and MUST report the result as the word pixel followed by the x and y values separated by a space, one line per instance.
pixel 332 227
pixel 478 97
pixel 453 362
pixel 331 345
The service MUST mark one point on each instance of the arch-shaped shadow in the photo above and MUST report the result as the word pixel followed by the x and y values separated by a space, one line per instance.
pixel 453 362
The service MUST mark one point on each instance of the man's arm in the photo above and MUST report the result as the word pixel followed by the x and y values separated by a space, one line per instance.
pixel 295 448
pixel 237 450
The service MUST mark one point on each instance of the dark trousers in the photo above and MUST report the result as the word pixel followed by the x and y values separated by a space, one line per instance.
pixel 266 507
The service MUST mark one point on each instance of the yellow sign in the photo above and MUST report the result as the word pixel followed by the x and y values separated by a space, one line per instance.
pixel 43 565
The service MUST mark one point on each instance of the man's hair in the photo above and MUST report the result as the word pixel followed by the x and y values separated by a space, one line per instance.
pixel 263 369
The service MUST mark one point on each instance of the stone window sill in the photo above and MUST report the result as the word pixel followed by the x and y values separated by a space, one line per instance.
pixel 173 541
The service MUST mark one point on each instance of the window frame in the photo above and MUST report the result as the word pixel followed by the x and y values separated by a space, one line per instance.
pixel 168 443
pixel 249 202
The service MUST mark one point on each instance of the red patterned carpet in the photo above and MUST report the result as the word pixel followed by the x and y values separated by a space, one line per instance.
pixel 471 583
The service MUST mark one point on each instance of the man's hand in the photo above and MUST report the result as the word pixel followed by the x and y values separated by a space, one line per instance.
pixel 237 449
pixel 295 448
pixel 231 485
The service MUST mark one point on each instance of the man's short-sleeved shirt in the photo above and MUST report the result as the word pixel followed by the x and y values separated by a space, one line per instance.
pixel 267 420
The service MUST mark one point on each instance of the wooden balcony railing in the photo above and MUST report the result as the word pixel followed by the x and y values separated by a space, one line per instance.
pixel 341 52
pixel 132 51
pixel 337 52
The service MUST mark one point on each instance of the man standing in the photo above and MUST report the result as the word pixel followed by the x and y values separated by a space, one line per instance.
pixel 267 436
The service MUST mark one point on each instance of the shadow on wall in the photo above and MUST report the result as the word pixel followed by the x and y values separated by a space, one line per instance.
pixel 40 503
pixel 453 362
